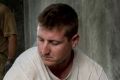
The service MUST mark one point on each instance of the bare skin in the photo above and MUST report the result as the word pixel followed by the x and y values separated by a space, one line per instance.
pixel 12 41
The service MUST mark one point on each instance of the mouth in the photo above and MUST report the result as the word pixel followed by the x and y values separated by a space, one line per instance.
pixel 47 58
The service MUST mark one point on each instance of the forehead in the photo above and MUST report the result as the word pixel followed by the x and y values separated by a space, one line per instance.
pixel 50 33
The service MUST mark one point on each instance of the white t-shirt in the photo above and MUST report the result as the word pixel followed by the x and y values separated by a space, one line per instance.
pixel 29 66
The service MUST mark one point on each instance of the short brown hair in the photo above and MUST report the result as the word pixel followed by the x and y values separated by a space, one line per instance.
pixel 61 16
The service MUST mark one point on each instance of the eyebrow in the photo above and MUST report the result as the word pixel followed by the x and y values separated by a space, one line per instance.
pixel 50 39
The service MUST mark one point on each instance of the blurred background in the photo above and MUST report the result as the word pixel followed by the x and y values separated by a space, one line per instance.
pixel 99 28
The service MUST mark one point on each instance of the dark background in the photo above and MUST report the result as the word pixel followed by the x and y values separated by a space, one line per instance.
pixel 17 8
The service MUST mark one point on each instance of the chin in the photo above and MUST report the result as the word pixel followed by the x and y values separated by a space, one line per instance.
pixel 49 64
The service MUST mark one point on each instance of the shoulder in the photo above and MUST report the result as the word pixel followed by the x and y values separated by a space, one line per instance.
pixel 27 59
pixel 88 67
pixel 87 61
pixel 28 66
pixel 29 53
pixel 24 66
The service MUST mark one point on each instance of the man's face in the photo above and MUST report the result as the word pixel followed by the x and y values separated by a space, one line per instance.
pixel 53 46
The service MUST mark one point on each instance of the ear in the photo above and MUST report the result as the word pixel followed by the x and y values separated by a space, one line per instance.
pixel 75 40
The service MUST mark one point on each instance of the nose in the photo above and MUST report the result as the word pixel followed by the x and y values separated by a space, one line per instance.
pixel 45 49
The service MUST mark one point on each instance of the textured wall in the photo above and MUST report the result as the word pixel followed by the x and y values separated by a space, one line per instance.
pixel 114 8
pixel 99 29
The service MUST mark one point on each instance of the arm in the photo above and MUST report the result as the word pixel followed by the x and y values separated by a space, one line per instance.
pixel 12 42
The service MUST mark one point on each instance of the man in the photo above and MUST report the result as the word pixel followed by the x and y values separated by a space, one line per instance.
pixel 55 58
pixel 7 39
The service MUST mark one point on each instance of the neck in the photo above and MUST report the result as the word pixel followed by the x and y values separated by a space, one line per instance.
pixel 62 70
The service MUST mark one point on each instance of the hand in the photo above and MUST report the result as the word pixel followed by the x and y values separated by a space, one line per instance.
pixel 7 66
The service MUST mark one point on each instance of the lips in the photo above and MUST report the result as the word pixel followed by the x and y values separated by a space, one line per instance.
pixel 47 58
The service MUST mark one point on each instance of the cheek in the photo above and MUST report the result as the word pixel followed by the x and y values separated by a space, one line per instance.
pixel 61 51
pixel 39 47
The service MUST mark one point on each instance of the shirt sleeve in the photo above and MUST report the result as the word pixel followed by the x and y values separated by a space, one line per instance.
pixel 9 24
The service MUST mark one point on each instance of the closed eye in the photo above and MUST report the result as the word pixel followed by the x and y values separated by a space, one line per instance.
pixel 40 39
pixel 55 42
